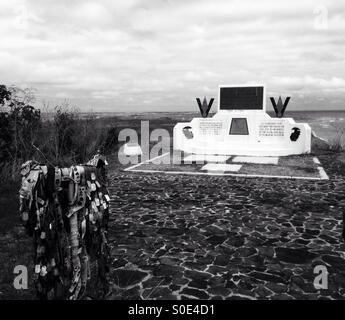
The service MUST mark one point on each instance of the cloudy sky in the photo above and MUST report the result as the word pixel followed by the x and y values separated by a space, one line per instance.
pixel 158 55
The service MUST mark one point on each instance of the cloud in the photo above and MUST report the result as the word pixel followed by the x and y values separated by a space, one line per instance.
pixel 160 54
pixel 311 84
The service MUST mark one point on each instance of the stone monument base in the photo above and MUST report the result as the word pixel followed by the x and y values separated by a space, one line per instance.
pixel 306 167
pixel 247 133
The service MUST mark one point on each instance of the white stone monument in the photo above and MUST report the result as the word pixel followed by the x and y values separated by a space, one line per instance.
pixel 242 127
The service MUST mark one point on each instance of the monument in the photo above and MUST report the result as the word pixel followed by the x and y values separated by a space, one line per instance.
pixel 241 126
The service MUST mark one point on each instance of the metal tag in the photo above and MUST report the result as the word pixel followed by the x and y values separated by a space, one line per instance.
pixel 43 271
pixel 83 228
pixel 25 216
pixel 94 207
pixel 37 268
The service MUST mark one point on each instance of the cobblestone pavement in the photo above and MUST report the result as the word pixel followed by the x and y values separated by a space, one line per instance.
pixel 178 237
pixel 183 237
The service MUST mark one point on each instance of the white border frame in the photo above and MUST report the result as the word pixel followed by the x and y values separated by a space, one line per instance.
pixel 242 86
pixel 243 175
pixel 322 173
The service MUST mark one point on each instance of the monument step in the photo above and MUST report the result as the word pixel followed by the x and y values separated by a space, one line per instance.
pixel 238 150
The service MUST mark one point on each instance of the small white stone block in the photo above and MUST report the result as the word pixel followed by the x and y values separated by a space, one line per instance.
pixel 260 160
pixel 316 160
pixel 132 149
pixel 203 158
pixel 223 167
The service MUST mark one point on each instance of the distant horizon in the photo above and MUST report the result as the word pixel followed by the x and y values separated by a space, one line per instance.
pixel 191 111
pixel 296 103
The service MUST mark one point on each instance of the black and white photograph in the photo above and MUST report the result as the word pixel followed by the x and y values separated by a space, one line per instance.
pixel 189 151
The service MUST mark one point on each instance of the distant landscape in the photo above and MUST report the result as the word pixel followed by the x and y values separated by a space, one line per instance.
pixel 326 123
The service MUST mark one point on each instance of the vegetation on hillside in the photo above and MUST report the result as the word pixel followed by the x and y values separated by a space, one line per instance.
pixel 337 143
pixel 64 139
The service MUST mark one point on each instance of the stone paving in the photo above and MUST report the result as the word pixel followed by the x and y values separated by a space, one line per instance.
pixel 191 237
pixel 185 237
